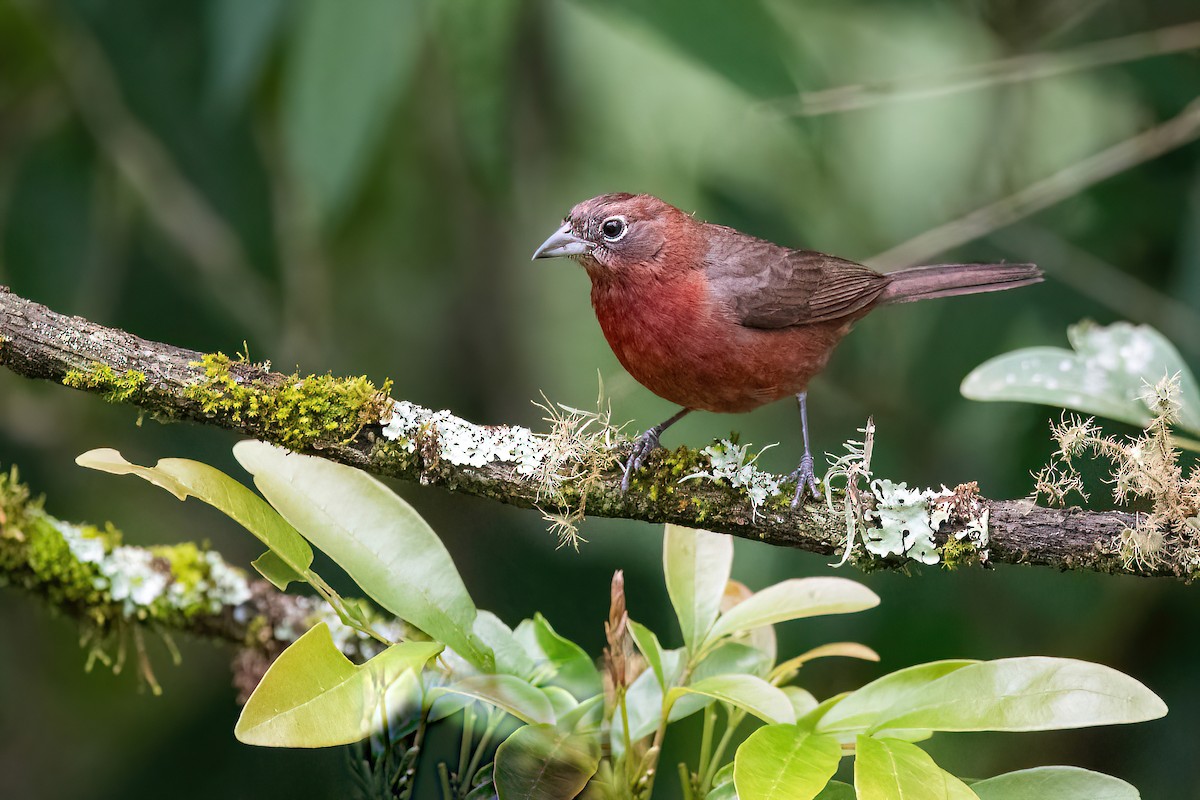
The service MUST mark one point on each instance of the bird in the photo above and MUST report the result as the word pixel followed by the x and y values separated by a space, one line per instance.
pixel 713 319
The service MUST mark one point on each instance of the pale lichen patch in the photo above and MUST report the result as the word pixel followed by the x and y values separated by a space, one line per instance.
pixel 735 465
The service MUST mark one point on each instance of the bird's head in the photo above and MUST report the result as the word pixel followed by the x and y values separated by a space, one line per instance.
pixel 622 234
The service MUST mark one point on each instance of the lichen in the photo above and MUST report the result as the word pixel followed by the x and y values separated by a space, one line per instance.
pixel 567 465
pixel 116 388
pixel 1145 471
pixel 735 465
pixel 88 570
pixel 299 412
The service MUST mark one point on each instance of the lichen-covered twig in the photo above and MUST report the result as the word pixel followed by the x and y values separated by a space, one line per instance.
pixel 116 590
pixel 353 422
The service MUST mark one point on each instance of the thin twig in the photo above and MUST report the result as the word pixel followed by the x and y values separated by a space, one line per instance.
pixel 1042 194
pixel 1015 69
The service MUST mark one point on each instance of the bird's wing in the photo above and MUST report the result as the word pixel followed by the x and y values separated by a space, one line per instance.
pixel 768 286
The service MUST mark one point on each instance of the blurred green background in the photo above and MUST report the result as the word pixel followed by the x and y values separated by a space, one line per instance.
pixel 358 186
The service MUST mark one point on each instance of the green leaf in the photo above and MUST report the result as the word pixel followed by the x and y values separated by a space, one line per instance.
pixel 1059 783
pixel 794 599
pixel 784 762
pixel 184 478
pixel 1106 375
pixel 275 570
pixel 574 669
pixel 863 708
pixel 647 643
pixel 345 74
pixel 802 700
pixel 376 537
pixel 788 669
pixel 1036 693
pixel 733 657
pixel 540 762
pixel 747 692
pixel 696 564
pixel 313 696
pixel 644 701
pixel 726 791
pixel 507 693
pixel 585 715
pixel 886 769
pixel 511 657
pixel 836 790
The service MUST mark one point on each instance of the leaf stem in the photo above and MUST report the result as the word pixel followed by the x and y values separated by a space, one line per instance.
pixel 493 721
pixel 734 719
pixel 706 740
pixel 464 749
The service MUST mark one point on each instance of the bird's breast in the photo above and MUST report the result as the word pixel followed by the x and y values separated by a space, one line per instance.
pixel 675 340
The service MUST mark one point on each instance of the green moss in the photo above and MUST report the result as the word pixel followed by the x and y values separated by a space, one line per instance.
pixel 105 380
pixel 959 553
pixel 299 413
pixel 56 572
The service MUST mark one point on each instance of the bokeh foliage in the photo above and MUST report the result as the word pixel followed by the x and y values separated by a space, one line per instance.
pixel 357 187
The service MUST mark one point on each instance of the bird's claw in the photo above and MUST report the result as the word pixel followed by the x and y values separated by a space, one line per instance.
pixel 643 446
pixel 806 481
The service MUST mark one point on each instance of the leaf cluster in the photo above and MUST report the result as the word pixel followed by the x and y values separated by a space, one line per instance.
pixel 563 728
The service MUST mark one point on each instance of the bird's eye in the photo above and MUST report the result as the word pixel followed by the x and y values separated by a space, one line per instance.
pixel 614 228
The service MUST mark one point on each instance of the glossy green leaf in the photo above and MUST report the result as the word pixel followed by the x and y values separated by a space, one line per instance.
pixel 1024 694
pixel 540 762
pixel 733 657
pixel 584 716
pixel 185 478
pixel 1059 783
pixel 313 696
pixel 696 565
pixel 644 700
pixel 1105 375
pixel 275 570
pixel 376 537
pixel 802 700
pixel 788 669
pixel 574 669
pixel 747 692
pixel 344 76
pixel 507 693
pixel 794 599
pixel 836 790
pixel 647 643
pixel 865 707
pixel 726 791
pixel 886 769
pixel 511 657
pixel 784 762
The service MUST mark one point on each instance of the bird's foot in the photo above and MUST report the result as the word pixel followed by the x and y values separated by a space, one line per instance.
pixel 806 481
pixel 643 446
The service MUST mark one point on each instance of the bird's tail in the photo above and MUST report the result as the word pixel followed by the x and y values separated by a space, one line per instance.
pixel 948 280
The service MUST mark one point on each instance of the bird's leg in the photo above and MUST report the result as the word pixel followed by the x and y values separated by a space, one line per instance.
pixel 806 481
pixel 645 444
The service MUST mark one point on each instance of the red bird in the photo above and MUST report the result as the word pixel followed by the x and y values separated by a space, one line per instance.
pixel 710 318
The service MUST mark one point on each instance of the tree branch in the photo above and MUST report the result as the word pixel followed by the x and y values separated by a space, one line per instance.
pixel 349 421
pixel 114 590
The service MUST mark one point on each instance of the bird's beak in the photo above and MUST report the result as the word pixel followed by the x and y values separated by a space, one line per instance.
pixel 563 243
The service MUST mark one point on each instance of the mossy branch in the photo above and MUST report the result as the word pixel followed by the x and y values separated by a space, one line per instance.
pixel 116 591
pixel 352 421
